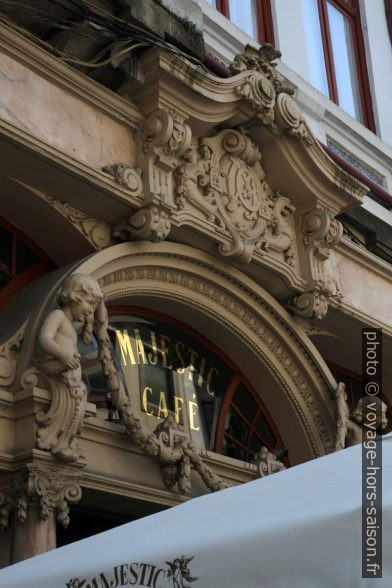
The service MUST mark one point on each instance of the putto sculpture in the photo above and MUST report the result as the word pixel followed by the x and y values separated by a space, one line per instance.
pixel 350 425
pixel 57 367
pixel 58 361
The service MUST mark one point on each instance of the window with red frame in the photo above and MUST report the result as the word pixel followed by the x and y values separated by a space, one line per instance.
pixel 245 425
pixel 169 368
pixel 254 17
pixel 21 261
pixel 336 55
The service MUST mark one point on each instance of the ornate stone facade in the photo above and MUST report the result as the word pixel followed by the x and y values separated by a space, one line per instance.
pixel 45 488
pixel 225 208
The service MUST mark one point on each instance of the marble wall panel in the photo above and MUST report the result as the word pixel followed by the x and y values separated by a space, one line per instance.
pixel 62 119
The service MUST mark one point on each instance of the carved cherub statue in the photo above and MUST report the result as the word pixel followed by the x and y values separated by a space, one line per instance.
pixel 355 422
pixel 349 426
pixel 58 360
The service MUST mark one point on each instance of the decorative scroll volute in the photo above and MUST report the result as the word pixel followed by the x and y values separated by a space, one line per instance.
pixel 222 178
pixel 165 139
pixel 265 89
pixel 46 488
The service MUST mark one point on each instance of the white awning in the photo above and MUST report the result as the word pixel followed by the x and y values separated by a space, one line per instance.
pixel 300 528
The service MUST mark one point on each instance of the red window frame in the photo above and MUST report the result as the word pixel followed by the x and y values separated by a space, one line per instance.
pixel 350 9
pixel 264 23
pixel 19 281
pixel 228 403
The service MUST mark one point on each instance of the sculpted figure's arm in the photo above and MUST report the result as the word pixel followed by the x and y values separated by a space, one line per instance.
pixel 61 348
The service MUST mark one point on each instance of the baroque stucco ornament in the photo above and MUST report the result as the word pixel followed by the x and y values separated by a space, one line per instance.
pixel 267 463
pixel 57 365
pixel 321 232
pixel 45 488
pixel 265 89
pixel 127 177
pixel 350 426
pixel 146 224
pixel 221 178
pixel 169 446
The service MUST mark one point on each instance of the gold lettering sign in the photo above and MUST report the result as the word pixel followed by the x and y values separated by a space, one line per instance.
pixel 157 351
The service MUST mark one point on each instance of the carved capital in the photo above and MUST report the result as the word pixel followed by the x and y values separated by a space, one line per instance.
pixel 267 463
pixel 321 232
pixel 168 132
pixel 313 304
pixel 165 138
pixel 126 176
pixel 42 487
pixel 151 223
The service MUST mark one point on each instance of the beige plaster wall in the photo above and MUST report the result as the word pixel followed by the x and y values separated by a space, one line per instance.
pixel 62 119
pixel 364 287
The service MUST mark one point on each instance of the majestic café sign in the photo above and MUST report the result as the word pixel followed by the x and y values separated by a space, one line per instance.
pixel 166 369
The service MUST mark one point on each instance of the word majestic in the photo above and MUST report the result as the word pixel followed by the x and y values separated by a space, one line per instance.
pixel 159 351
pixel 140 574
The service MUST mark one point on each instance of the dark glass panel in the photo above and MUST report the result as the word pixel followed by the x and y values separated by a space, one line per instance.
pixel 245 402
pixel 158 379
pixel 4 280
pixel 237 427
pixel 262 427
pixel 357 392
pixel 5 249
pixel 255 444
pixel 25 258
pixel 231 449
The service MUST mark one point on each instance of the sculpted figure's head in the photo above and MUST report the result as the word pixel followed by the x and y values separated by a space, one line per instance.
pixel 79 296
pixel 358 412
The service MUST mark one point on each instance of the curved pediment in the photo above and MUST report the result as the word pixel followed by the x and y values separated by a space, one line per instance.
pixel 231 163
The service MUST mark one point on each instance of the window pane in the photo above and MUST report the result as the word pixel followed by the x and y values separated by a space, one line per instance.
pixel 314 45
pixel 344 62
pixel 244 401
pixel 25 258
pixel 237 428
pixel 232 449
pixel 243 14
pixel 4 280
pixel 5 249
pixel 264 430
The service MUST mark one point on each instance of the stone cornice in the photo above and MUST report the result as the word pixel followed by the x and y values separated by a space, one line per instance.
pixel 365 258
pixel 85 174
pixel 49 67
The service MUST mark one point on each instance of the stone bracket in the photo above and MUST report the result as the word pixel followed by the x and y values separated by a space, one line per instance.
pixel 46 487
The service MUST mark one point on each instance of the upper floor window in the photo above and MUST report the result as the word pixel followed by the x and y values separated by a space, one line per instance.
pixel 252 16
pixel 336 55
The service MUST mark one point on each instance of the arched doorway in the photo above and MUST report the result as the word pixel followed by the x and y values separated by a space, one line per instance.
pixel 238 317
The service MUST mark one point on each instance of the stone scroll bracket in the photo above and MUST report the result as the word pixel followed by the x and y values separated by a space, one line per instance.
pixel 42 487
pixel 321 232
